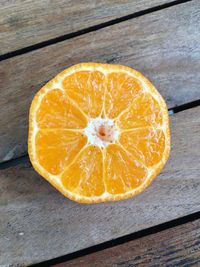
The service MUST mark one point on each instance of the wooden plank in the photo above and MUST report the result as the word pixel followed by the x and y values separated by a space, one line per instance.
pixel 179 246
pixel 38 223
pixel 24 23
pixel 162 45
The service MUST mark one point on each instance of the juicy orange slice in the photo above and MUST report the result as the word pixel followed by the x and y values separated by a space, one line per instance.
pixel 98 132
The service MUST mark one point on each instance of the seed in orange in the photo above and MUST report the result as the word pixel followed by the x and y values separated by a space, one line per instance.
pixel 98 132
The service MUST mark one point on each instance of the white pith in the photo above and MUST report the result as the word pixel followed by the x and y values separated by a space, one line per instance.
pixel 91 131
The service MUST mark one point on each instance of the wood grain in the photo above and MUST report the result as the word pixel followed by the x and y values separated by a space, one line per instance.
pixel 25 23
pixel 37 223
pixel 179 246
pixel 163 45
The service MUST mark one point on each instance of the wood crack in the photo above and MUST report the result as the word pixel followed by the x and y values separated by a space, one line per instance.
pixel 97 27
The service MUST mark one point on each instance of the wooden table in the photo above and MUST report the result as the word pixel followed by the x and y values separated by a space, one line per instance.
pixel 161 226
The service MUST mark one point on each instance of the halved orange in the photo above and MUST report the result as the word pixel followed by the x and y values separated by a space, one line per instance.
pixel 98 132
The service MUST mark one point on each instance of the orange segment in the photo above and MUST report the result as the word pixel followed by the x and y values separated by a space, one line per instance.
pixel 123 172
pixel 147 145
pixel 56 111
pixel 56 149
pixel 85 175
pixel 145 111
pixel 86 88
pixel 98 132
pixel 122 90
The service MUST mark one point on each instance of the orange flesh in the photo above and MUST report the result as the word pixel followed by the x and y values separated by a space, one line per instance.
pixel 121 166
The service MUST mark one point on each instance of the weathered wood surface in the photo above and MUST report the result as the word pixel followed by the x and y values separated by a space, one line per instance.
pixel 38 223
pixel 178 246
pixel 24 23
pixel 164 45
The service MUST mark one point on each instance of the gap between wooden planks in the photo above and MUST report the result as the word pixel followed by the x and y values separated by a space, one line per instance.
pixel 163 45
pixel 26 23
pixel 38 223
pixel 177 246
